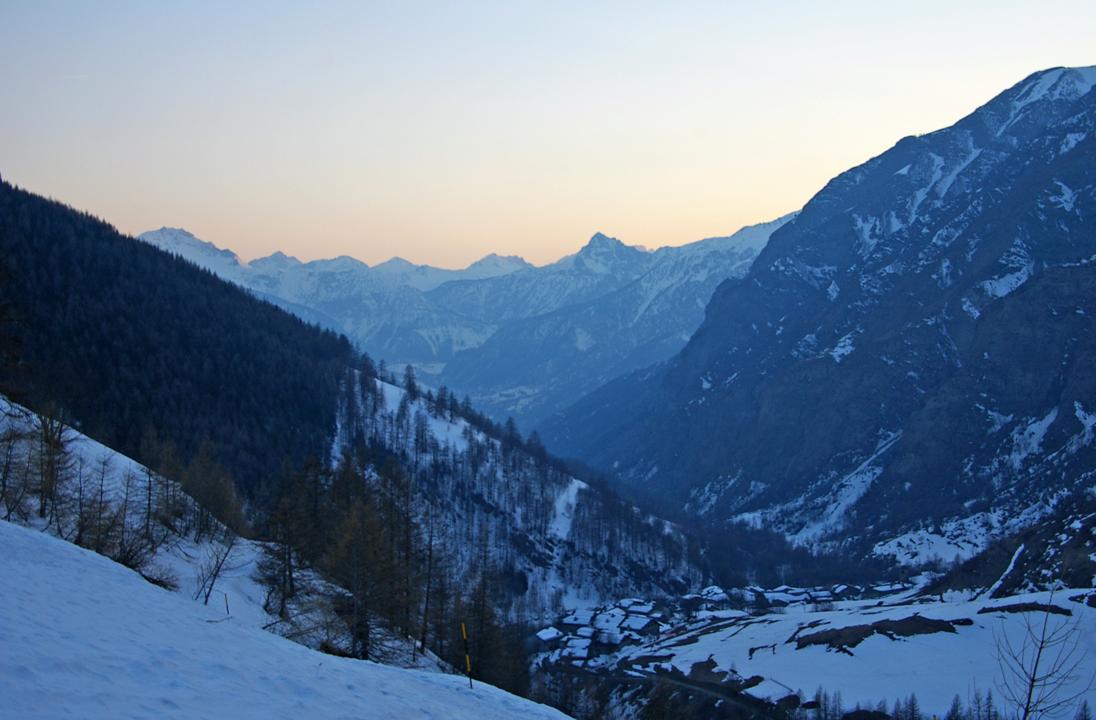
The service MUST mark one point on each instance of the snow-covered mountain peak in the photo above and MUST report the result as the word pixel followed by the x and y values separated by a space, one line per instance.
pixel 178 241
pixel 395 263
pixel 398 271
pixel 275 261
pixel 342 263
pixel 1032 101
pixel 600 242
pixel 604 254
pixel 751 238
pixel 1061 82
pixel 495 264
pixel 173 234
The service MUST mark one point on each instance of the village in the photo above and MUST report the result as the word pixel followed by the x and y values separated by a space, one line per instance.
pixel 591 637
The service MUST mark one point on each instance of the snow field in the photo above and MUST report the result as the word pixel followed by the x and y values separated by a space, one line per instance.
pixel 84 637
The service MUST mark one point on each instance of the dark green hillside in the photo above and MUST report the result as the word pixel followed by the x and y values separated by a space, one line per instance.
pixel 127 339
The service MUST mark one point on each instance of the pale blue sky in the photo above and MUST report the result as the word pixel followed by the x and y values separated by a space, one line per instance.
pixel 443 131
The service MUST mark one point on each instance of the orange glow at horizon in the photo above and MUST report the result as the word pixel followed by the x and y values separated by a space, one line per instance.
pixel 444 132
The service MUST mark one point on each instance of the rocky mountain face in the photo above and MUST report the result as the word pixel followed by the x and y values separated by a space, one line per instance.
pixel 910 359
pixel 520 340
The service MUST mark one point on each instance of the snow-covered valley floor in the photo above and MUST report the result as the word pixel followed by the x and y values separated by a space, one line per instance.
pixel 81 636
pixel 882 649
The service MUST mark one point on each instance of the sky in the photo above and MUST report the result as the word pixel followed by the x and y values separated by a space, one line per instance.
pixel 440 132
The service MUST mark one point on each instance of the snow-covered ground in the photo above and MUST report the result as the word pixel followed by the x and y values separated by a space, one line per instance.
pixel 85 637
pixel 184 560
pixel 934 648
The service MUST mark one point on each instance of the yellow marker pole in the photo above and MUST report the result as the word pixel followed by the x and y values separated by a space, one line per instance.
pixel 467 657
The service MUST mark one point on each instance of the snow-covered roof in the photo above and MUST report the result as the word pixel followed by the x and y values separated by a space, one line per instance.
pixel 549 634
pixel 636 622
pixel 577 648
pixel 715 593
pixel 579 617
pixel 609 619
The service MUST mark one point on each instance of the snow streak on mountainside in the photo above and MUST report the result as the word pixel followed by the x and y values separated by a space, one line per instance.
pixel 914 352
pixel 519 339
pixel 86 637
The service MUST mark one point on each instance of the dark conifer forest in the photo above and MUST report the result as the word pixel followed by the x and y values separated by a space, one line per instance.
pixel 147 350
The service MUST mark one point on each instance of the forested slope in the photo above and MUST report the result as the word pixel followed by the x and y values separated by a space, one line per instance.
pixel 147 351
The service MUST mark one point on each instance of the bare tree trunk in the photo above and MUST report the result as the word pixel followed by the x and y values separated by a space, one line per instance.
pixel 1039 674
pixel 148 504
pixel 429 583
pixel 211 572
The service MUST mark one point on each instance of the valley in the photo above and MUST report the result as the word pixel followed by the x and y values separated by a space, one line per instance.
pixel 836 465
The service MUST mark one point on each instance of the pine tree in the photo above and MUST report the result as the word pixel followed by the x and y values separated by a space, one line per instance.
pixel 955 712
pixel 360 561
pixel 53 460
pixel 913 708
pixel 409 384
pixel 214 493
pixel 10 342
pixel 441 402
pixel 429 582
pixel 277 565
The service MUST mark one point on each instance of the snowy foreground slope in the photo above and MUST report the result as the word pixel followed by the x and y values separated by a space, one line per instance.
pixel 85 637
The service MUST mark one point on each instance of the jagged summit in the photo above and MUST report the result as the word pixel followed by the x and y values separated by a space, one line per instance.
pixel 600 242
pixel 396 262
pixel 277 260
pixel 167 237
pixel 1056 83
pixel 175 231
pixel 502 263
pixel 751 238
pixel 179 241
pixel 604 254
pixel 1032 102
pixel 343 264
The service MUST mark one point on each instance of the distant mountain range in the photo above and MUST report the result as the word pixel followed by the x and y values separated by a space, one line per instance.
pixel 908 366
pixel 382 308
pixel 521 340
pixel 589 318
